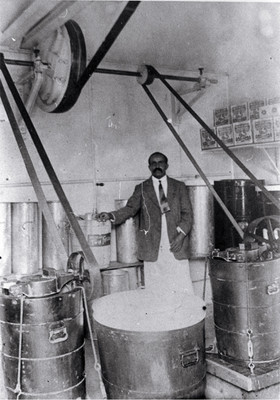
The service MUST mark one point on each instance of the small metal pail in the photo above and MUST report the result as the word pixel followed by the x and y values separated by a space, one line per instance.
pixel 115 281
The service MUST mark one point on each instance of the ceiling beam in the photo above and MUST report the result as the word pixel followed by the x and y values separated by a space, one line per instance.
pixel 32 26
pixel 57 17
pixel 21 23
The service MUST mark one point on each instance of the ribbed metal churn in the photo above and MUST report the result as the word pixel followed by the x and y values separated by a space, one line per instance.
pixel 42 337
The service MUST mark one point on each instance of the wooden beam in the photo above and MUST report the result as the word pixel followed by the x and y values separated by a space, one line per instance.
pixel 264 374
pixel 32 26
pixel 15 31
pixel 57 17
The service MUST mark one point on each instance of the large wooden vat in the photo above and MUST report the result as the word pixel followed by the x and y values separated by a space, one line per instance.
pixel 151 345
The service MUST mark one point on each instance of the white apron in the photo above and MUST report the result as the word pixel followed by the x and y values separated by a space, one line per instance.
pixel 167 274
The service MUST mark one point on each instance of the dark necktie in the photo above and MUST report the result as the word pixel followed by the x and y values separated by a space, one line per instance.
pixel 162 199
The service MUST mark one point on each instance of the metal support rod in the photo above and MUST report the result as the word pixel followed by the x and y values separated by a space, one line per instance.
pixel 218 140
pixel 195 164
pixel 22 63
pixel 89 257
pixel 107 43
pixel 138 74
pixel 110 71
pixel 180 78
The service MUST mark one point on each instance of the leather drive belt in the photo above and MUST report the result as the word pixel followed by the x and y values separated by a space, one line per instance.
pixel 89 257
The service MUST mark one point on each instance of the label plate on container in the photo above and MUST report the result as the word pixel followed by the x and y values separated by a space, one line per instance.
pixel 99 240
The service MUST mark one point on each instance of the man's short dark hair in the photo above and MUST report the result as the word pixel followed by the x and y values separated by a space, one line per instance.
pixel 157 153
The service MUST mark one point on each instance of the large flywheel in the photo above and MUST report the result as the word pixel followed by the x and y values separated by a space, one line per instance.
pixel 65 54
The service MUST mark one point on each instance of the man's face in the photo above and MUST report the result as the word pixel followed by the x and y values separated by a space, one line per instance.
pixel 158 166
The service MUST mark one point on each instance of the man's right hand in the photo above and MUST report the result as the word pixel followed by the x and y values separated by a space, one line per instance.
pixel 104 216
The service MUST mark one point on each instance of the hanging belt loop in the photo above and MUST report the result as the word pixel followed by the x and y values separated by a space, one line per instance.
pixel 207 259
pixel 192 159
pixel 18 386
pixel 97 365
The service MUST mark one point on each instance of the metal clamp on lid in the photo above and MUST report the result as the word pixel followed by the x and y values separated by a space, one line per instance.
pixel 47 282
pixel 30 286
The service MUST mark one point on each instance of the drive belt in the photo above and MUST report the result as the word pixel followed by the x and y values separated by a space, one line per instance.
pixel 195 164
pixel 34 178
pixel 217 139
pixel 89 257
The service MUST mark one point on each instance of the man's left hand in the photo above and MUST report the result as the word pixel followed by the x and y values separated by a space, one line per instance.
pixel 177 243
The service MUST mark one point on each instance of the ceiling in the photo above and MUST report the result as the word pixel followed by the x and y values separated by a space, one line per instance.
pixel 222 37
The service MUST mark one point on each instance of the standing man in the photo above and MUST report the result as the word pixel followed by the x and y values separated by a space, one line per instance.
pixel 165 221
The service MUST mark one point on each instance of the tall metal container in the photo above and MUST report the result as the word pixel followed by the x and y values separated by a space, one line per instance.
pixel 50 254
pixel 42 340
pixel 126 237
pixel 25 238
pixel 246 299
pixel 151 345
pixel 98 235
pixel 5 239
pixel 265 205
pixel 202 233
pixel 240 197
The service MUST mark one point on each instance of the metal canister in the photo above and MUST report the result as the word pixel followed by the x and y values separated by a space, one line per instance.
pixel 98 235
pixel 42 339
pixel 246 300
pixel 50 253
pixel 240 197
pixel 265 205
pixel 5 239
pixel 151 345
pixel 115 281
pixel 25 238
pixel 202 233
pixel 126 237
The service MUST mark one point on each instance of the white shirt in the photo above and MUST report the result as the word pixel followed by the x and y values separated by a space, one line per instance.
pixel 164 186
pixel 156 185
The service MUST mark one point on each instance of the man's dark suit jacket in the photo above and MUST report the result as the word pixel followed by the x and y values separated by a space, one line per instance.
pixel 144 203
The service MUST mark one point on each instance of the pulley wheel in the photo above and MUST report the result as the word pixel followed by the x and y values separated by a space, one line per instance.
pixel 65 53
pixel 271 223
pixel 146 75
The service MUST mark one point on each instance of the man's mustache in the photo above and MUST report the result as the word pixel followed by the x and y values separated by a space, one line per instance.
pixel 158 169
